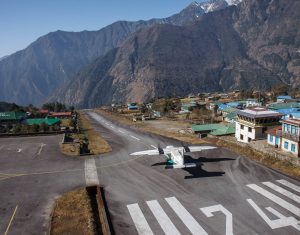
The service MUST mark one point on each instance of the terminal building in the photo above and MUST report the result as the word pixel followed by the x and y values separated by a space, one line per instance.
pixel 291 136
pixel 253 123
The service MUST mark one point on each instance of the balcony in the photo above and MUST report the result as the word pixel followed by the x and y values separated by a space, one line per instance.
pixel 290 136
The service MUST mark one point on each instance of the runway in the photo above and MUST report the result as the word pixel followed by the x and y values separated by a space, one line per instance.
pixel 226 194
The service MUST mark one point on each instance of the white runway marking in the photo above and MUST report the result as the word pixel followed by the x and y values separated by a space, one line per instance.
pixel 41 148
pixel 139 220
pixel 276 223
pixel 153 146
pixel 90 170
pixel 134 137
pixel 288 206
pixel 122 132
pixel 290 185
pixel 283 191
pixel 185 217
pixel 208 211
pixel 164 221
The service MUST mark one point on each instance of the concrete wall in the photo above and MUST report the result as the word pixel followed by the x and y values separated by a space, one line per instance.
pixel 273 141
pixel 289 148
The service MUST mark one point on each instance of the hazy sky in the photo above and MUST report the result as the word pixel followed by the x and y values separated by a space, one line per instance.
pixel 23 21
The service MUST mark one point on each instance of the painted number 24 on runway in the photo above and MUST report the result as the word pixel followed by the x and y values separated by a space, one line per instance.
pixel 282 220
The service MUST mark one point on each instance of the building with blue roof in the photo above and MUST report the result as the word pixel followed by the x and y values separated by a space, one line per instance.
pixel 294 115
pixel 283 98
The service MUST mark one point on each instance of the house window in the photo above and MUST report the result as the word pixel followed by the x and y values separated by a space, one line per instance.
pixel 284 127
pixel 293 148
pixel 286 145
pixel 242 127
pixel 249 139
pixel 264 129
pixel 289 128
pixel 249 129
pixel 241 137
pixel 271 139
pixel 293 129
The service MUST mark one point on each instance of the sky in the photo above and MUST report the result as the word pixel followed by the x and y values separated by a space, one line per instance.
pixel 23 21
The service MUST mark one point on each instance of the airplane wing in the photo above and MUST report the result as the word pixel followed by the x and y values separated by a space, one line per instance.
pixel 146 152
pixel 200 148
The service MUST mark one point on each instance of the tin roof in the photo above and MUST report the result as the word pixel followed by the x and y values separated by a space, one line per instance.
pixel 12 115
pixel 292 121
pixel 284 106
pixel 58 114
pixel 215 129
pixel 258 112
pixel 38 121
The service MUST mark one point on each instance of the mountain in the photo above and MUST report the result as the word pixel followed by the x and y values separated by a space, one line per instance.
pixel 255 45
pixel 31 75
pixel 2 58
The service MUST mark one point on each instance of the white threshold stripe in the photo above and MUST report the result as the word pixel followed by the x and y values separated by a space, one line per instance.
pixel 41 148
pixel 289 185
pixel 134 137
pixel 164 221
pixel 139 220
pixel 288 206
pixel 90 170
pixel 286 193
pixel 186 217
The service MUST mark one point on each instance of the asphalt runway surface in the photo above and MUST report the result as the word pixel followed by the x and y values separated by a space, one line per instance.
pixel 226 194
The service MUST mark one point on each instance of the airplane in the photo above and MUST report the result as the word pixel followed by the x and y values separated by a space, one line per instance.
pixel 175 155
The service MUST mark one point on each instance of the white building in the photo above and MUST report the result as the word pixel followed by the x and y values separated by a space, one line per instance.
pixel 253 123
pixel 291 136
pixel 252 103
pixel 274 136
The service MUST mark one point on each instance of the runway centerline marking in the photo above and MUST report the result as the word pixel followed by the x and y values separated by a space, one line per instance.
pixel 153 146
pixel 283 191
pixel 139 220
pixel 288 206
pixel 11 220
pixel 289 185
pixel 90 170
pixel 121 131
pixel 134 137
pixel 164 221
pixel 189 221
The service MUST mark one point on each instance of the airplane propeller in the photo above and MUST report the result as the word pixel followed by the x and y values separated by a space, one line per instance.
pixel 186 148
pixel 160 149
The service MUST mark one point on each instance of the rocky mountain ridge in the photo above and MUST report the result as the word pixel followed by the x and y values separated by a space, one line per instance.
pixel 254 46
pixel 31 75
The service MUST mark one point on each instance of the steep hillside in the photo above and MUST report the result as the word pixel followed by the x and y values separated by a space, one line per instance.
pixel 254 45
pixel 31 75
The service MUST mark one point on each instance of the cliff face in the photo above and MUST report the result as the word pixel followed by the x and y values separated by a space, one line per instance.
pixel 254 45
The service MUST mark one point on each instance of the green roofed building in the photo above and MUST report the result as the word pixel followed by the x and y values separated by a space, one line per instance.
pixel 277 106
pixel 231 117
pixel 11 116
pixel 39 121
pixel 214 129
